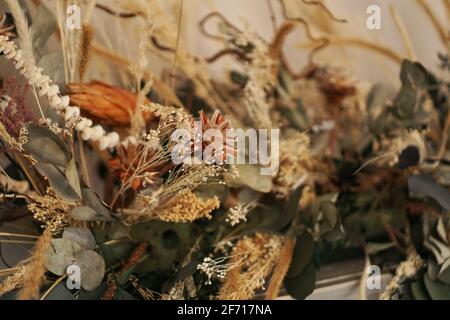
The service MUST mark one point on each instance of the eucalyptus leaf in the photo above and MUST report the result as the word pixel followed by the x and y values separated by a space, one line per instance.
pixel 58 181
pixel 444 273
pixel 438 290
pixel 302 285
pixel 92 200
pixel 72 176
pixel 330 215
pixel 413 74
pixel 427 186
pixel 419 291
pixel 251 176
pixel 82 236
pixel 440 250
pixel 432 269
pixel 60 255
pixel 303 253
pixel 46 146
pixel 440 228
pixel 92 269
pixel 84 213
pixel 405 102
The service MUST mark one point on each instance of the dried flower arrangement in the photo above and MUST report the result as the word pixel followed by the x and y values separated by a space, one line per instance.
pixel 93 169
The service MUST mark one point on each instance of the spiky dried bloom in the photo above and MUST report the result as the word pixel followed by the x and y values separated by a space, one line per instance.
pixel 252 260
pixel 218 122
pixel 294 161
pixel 15 280
pixel 53 212
pixel 187 207
pixel 105 103
pixel 34 278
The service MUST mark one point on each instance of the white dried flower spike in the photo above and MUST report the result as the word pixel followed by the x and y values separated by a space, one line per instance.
pixel 71 112
pixel 109 141
pixel 46 87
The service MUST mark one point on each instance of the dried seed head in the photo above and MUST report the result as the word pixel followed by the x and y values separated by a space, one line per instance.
pixel 105 103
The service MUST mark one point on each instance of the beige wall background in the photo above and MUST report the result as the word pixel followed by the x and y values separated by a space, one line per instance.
pixel 363 64
pixel 359 63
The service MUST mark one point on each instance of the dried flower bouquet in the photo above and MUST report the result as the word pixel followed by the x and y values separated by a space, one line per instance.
pixel 88 156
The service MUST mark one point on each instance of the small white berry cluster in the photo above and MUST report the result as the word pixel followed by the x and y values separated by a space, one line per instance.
pixel 46 87
pixel 238 213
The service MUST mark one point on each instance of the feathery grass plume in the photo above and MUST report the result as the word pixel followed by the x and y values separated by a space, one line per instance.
pixel 34 278
pixel 252 260
pixel 280 270
pixel 23 31
pixel 84 51
pixel 15 280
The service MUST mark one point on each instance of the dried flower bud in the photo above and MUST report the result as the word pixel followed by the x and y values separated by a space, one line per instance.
pixel 108 104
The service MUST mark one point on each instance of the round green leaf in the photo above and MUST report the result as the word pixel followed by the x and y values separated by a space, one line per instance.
pixel 46 146
pixel 82 236
pixel 303 252
pixel 92 269
pixel 303 285
pixel 437 289
pixel 60 255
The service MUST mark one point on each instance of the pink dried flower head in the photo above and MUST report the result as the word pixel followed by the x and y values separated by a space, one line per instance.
pixel 14 114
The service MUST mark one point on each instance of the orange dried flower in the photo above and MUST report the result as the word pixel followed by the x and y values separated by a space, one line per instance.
pixel 137 164
pixel 105 103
